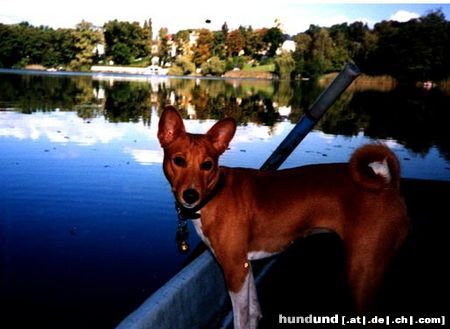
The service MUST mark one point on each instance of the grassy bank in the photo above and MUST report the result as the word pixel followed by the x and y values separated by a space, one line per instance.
pixel 241 74
pixel 364 82
pixel 259 68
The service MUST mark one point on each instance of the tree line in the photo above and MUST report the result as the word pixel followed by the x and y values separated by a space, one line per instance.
pixel 418 49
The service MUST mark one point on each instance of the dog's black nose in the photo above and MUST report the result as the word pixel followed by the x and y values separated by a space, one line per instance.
pixel 190 196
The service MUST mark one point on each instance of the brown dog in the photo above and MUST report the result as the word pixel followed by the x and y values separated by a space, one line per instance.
pixel 247 214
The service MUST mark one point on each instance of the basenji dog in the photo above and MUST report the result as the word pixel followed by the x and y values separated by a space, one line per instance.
pixel 245 214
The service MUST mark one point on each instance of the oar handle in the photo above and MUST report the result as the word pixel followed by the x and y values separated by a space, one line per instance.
pixel 312 116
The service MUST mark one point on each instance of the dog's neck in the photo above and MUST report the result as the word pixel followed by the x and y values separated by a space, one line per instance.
pixel 193 213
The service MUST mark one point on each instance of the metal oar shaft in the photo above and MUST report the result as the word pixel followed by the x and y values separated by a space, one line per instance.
pixel 312 116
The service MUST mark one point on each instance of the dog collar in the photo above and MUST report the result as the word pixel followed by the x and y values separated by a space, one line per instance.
pixel 184 214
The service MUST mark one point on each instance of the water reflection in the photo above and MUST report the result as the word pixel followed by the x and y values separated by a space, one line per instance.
pixel 136 142
pixel 416 118
pixel 86 214
pixel 61 127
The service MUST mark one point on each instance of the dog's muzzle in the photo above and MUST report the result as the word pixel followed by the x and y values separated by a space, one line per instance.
pixel 191 196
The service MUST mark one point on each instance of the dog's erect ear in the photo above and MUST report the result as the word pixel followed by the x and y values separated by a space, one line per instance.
pixel 222 133
pixel 170 126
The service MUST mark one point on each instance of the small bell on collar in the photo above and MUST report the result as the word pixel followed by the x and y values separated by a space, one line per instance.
pixel 182 236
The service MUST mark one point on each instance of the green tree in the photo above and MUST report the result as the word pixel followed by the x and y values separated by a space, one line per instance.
pixel 361 42
pixel 302 53
pixel 63 42
pixel 235 62
pixel 36 43
pixel 214 66
pixel 181 39
pixel 182 66
pixel 163 46
pixel 251 41
pixel 10 45
pixel 219 49
pixel 417 49
pixel 225 30
pixel 285 65
pixel 259 45
pixel 203 48
pixel 23 44
pixel 85 40
pixel 322 52
pixel 125 41
pixel 147 31
pixel 274 38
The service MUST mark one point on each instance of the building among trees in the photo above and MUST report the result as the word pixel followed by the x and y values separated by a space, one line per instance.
pixel 418 49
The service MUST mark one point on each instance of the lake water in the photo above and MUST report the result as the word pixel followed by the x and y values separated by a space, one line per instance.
pixel 87 223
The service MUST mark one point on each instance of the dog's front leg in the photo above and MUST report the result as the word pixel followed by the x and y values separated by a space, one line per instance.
pixel 246 310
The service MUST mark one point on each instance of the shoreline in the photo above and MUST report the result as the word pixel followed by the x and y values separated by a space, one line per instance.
pixel 364 82
pixel 142 76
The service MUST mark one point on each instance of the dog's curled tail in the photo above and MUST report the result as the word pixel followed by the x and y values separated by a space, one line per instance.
pixel 375 166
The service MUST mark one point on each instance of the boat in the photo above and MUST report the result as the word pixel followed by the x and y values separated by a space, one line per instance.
pixel 309 277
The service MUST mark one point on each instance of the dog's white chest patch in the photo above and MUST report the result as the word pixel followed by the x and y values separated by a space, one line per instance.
pixel 253 255
pixel 198 228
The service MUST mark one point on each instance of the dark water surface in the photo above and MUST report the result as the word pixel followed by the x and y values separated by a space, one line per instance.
pixel 87 222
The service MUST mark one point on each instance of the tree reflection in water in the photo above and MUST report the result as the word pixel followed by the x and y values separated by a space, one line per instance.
pixel 415 117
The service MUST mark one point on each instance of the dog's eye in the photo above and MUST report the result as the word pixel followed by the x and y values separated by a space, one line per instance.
pixel 179 161
pixel 207 165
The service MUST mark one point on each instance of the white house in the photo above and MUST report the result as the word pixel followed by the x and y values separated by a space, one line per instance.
pixel 287 46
